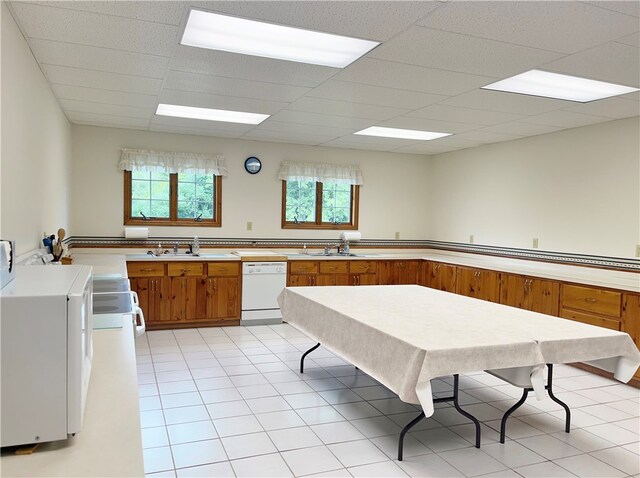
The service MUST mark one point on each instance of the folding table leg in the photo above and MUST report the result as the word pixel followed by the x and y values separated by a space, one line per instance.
pixel 567 424
pixel 305 354
pixel 548 387
pixel 503 423
pixel 475 421
pixel 404 432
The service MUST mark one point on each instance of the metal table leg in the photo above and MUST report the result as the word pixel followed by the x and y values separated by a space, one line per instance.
pixel 305 354
pixel 549 389
pixel 456 404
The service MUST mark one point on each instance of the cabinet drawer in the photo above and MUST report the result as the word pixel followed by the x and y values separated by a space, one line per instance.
pixel 185 269
pixel 363 267
pixel 589 299
pixel 223 268
pixel 591 319
pixel 303 267
pixel 145 269
pixel 334 267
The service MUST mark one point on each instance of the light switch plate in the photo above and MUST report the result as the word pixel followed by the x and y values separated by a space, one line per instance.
pixel 535 242
pixel 637 250
pixel 249 226
pixel 397 235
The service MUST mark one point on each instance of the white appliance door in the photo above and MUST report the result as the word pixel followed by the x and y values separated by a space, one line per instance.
pixel 80 348
pixel 261 285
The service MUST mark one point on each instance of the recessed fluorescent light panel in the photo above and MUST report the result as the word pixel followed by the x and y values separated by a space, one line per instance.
pixel 210 114
pixel 401 133
pixel 562 87
pixel 250 37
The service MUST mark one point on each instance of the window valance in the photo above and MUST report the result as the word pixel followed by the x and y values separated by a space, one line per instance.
pixel 299 171
pixel 172 162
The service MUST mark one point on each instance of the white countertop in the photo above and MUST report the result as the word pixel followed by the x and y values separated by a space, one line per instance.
pixel 109 443
pixel 622 280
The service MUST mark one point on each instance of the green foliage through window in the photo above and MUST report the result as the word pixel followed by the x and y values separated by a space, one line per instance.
pixel 307 201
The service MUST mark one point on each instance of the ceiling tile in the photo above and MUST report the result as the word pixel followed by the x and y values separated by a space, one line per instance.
pixel 486 137
pixel 521 129
pixel 628 8
pixel 610 107
pixel 160 12
pixel 163 128
pixel 373 95
pixel 461 53
pixel 106 109
pixel 64 75
pixel 344 108
pixel 67 92
pixel 613 62
pixel 200 124
pixel 390 143
pixel 505 102
pixel 361 146
pixel 566 119
pixel 270 125
pixel 233 103
pixel 461 115
pixel 100 59
pixel 428 149
pixel 426 124
pixel 410 77
pixel 107 120
pixel 631 40
pixel 232 65
pixel 283 136
pixel 363 19
pixel 218 85
pixel 303 117
pixel 565 27
pixel 78 27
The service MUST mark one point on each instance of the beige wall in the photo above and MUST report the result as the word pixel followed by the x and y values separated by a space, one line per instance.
pixel 576 190
pixel 36 142
pixel 392 199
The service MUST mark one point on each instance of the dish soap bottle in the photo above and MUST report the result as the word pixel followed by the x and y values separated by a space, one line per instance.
pixel 159 250
pixel 195 249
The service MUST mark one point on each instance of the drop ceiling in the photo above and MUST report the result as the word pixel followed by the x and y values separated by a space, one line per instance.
pixel 110 63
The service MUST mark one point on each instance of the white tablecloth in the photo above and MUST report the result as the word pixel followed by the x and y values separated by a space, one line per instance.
pixel 404 336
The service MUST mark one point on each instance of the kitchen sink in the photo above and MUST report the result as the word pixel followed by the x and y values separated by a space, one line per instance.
pixel 180 256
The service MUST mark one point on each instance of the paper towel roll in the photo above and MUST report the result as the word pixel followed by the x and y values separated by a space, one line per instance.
pixel 136 232
pixel 351 236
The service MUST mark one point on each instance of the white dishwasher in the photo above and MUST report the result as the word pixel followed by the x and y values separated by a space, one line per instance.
pixel 262 282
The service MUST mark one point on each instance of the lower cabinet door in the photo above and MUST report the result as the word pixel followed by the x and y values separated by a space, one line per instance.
pixel 223 298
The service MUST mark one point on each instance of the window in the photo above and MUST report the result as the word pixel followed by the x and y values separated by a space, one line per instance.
pixel 181 199
pixel 319 205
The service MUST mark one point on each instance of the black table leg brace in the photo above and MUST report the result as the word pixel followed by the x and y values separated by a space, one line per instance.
pixel 454 399
pixel 525 393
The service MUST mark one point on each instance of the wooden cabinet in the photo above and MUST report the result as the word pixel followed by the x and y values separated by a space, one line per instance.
pixel 332 272
pixel 187 294
pixel 478 283
pixel 538 295
pixel 398 272
pixel 302 273
pixel 631 319
pixel 591 305
pixel 440 276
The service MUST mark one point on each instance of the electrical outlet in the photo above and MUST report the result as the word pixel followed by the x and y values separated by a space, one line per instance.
pixel 471 238
pixel 249 226
pixel 638 250
pixel 397 235
pixel 535 242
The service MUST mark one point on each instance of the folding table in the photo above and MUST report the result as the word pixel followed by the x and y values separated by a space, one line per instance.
pixel 404 336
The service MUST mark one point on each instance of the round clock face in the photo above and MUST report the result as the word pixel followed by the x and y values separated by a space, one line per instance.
pixel 253 165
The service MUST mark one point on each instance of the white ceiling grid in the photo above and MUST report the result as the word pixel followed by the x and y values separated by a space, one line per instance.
pixel 110 63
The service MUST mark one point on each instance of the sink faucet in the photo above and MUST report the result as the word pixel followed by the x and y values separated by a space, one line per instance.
pixel 175 248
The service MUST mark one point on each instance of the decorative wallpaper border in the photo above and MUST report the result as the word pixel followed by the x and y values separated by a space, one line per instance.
pixel 604 262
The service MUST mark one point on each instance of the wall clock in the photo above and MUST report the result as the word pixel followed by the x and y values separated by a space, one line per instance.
pixel 252 165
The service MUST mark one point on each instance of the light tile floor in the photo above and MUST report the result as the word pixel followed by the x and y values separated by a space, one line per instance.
pixel 230 402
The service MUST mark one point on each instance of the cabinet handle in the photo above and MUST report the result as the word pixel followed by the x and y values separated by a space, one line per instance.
pixel 184 270
pixel 437 267
pixel 147 270
pixel 591 300
pixel 358 280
